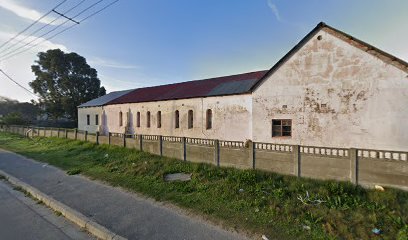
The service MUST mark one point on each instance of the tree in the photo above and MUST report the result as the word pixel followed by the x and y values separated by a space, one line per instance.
pixel 64 81
pixel 28 111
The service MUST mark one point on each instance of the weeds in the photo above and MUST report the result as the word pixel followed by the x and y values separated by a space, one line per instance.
pixel 255 201
pixel 74 171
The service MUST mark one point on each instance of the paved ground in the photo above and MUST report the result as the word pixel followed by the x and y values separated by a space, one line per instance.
pixel 124 213
pixel 23 218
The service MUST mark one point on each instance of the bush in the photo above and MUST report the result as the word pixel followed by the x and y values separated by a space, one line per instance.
pixel 13 118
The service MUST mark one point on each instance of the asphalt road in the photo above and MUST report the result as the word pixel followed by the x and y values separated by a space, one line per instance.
pixel 23 218
pixel 127 214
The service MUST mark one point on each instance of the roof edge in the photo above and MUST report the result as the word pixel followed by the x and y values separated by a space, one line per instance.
pixel 286 57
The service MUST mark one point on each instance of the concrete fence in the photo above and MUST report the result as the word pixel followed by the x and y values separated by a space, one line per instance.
pixel 366 167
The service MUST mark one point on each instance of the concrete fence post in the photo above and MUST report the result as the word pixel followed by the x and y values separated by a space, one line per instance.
pixel 65 133
pixel 76 133
pixel 59 132
pixel 109 138
pixel 45 131
pixel 161 145
pixel 217 152
pixel 51 129
pixel 97 137
pixel 86 135
pixel 183 142
pixel 353 154
pixel 124 140
pixel 251 148
pixel 297 160
pixel 141 142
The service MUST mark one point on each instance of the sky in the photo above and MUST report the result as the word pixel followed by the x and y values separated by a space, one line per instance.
pixel 140 43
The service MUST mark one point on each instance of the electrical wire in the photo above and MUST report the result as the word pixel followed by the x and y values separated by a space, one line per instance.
pixel 18 84
pixel 9 55
pixel 41 28
pixel 32 24
pixel 46 33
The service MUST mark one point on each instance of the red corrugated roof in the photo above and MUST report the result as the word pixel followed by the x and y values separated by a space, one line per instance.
pixel 219 86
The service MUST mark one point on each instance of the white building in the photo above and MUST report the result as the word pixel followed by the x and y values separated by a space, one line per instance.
pixel 330 90
pixel 90 114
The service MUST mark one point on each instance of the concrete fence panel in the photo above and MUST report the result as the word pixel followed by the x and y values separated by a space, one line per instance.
pixel 91 138
pixel 71 134
pixel 117 141
pixel 41 132
pixel 81 135
pixel 133 142
pixel 173 147
pixel 54 132
pixel 151 144
pixel 234 154
pixel 386 168
pixel 103 140
pixel 325 163
pixel 275 158
pixel 47 132
pixel 200 150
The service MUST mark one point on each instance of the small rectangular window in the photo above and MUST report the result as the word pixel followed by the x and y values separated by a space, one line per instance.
pixel 159 119
pixel 209 119
pixel 190 119
pixel 88 120
pixel 96 119
pixel 148 119
pixel 176 119
pixel 138 119
pixel 281 127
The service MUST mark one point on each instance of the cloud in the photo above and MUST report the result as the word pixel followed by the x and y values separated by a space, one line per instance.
pixel 110 63
pixel 275 10
pixel 24 12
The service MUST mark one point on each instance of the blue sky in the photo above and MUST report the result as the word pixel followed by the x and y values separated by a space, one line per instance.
pixel 150 42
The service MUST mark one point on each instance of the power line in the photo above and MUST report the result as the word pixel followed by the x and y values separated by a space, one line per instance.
pixel 50 31
pixel 18 84
pixel 41 28
pixel 32 24
pixel 7 56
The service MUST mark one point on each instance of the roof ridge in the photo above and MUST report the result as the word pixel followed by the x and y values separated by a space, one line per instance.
pixel 204 79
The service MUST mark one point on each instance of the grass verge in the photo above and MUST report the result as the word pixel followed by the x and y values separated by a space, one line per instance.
pixel 247 200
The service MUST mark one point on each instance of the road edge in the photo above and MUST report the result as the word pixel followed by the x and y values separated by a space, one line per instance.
pixel 74 216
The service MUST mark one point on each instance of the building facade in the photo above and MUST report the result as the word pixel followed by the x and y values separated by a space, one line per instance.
pixel 330 90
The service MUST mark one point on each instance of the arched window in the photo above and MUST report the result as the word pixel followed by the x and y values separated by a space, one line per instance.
pixel 176 119
pixel 190 119
pixel 208 124
pixel 159 119
pixel 138 119
pixel 148 119
pixel 120 119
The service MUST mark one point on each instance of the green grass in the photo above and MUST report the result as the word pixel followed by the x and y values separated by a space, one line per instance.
pixel 268 203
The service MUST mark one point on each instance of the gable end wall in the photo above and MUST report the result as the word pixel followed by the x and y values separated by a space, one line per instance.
pixel 366 98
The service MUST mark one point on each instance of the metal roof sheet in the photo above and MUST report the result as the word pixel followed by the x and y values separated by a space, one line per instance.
pixel 227 85
pixel 105 99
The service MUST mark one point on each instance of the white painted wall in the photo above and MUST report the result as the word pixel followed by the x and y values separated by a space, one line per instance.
pixel 82 122
pixel 367 99
pixel 231 117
